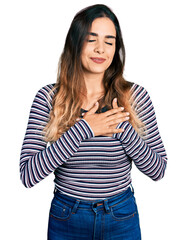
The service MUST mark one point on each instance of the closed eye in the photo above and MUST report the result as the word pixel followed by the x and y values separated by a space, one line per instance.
pixel 109 43
pixel 90 40
pixel 95 40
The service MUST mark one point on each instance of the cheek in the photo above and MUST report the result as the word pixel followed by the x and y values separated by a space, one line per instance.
pixel 111 54
pixel 85 54
pixel 83 58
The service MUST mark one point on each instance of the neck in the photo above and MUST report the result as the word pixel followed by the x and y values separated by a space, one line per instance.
pixel 94 83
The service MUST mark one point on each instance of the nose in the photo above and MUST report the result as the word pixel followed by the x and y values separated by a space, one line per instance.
pixel 99 48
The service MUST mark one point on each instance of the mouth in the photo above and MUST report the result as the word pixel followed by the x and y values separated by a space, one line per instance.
pixel 98 60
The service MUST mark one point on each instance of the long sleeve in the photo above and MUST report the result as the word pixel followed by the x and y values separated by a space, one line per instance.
pixel 148 153
pixel 37 160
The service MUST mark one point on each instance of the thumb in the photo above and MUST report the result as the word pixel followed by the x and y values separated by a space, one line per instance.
pixel 93 109
pixel 114 103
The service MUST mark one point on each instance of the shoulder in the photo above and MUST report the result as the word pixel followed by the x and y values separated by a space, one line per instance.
pixel 45 95
pixel 139 93
pixel 47 90
pixel 140 99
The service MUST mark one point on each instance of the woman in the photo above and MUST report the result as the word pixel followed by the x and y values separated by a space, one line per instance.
pixel 97 123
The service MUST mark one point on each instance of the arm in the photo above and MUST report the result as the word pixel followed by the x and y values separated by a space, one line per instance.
pixel 147 153
pixel 37 160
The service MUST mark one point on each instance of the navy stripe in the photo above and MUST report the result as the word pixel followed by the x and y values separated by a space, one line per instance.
pixel 86 166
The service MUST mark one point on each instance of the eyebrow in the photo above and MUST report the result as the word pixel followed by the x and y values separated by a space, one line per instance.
pixel 96 35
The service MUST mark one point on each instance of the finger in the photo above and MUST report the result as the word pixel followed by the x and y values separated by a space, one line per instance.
pixel 115 130
pixel 117 121
pixel 113 111
pixel 114 103
pixel 114 123
pixel 93 109
pixel 118 117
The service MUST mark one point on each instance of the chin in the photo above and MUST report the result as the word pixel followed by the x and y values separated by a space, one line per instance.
pixel 98 70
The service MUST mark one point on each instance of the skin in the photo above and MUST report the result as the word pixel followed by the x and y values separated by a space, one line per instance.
pixel 100 44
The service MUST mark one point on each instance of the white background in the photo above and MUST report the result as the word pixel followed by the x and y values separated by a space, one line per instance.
pixel 32 39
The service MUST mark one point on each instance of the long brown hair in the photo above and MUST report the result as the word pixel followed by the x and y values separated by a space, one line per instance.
pixel 70 83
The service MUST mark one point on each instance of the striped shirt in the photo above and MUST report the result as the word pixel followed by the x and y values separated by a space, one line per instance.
pixel 86 166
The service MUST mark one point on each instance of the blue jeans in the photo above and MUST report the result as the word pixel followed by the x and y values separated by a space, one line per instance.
pixel 114 218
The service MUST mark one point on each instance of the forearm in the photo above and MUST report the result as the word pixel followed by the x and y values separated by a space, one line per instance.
pixel 36 165
pixel 151 161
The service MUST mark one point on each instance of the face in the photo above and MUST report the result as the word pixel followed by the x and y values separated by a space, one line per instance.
pixel 99 47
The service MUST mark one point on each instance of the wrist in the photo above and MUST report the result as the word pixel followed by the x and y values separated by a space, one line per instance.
pixel 84 129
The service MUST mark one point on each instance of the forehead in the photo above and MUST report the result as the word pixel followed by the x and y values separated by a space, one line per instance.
pixel 103 26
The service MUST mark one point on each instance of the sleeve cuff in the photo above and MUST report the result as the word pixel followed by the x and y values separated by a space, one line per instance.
pixel 84 129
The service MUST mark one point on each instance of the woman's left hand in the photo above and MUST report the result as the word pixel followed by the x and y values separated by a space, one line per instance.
pixel 115 105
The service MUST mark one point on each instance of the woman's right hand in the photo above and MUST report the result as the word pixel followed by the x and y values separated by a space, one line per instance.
pixel 105 123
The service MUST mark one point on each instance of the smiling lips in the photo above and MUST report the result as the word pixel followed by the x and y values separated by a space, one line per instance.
pixel 98 60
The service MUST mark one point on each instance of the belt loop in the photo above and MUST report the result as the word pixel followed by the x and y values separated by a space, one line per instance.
pixel 107 209
pixel 132 189
pixel 75 207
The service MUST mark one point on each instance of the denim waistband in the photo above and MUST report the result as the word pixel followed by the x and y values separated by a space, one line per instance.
pixel 107 203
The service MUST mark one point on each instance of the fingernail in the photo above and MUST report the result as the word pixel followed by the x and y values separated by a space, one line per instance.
pixel 115 99
pixel 122 108
pixel 83 114
pixel 127 113
pixel 96 103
